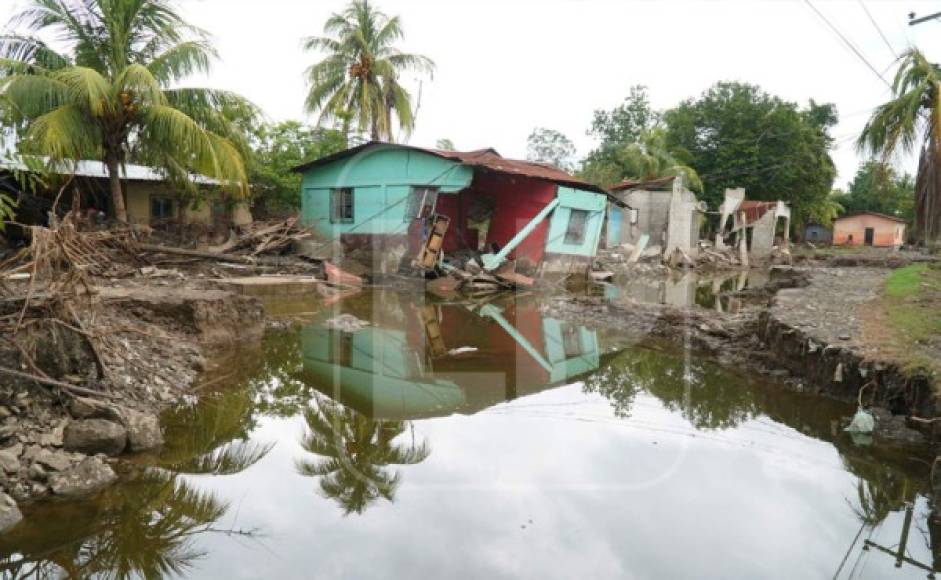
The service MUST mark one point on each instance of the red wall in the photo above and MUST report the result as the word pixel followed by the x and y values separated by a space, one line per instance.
pixel 518 200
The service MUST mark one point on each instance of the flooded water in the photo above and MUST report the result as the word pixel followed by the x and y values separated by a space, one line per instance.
pixel 490 441
pixel 720 291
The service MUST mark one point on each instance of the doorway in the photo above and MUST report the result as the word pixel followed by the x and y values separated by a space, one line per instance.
pixel 869 236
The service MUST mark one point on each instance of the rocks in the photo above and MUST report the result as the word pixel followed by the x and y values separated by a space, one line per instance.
pixel 10 515
pixel 56 461
pixel 95 436
pixel 9 462
pixel 143 430
pixel 89 476
pixel 82 408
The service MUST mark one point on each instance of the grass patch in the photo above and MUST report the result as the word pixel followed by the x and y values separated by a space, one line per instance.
pixel 913 308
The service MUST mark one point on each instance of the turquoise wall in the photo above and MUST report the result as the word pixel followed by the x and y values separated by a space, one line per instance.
pixel 381 179
pixel 569 199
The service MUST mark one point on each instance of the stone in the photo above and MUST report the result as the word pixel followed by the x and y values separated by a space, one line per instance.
pixel 95 436
pixel 84 408
pixel 10 515
pixel 56 461
pixel 5 412
pixel 37 472
pixel 89 476
pixel 8 462
pixel 143 430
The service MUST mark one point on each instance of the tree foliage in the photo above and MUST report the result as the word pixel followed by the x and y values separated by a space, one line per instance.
pixel 279 147
pixel 736 135
pixel 114 94
pixel 878 187
pixel 912 118
pixel 552 147
pixel 358 79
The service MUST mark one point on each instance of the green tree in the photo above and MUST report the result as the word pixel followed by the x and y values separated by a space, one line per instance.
pixel 279 147
pixel 108 97
pixel 878 187
pixel 445 144
pixel 645 159
pixel 550 146
pixel 358 79
pixel 736 135
pixel 913 118
pixel 623 124
pixel 355 453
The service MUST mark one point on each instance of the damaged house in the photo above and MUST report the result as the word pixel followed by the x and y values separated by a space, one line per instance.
pixel 392 207
pixel 663 214
pixel 755 227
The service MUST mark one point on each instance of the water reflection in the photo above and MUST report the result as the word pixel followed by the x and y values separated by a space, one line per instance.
pixel 355 454
pixel 145 527
pixel 439 425
pixel 720 291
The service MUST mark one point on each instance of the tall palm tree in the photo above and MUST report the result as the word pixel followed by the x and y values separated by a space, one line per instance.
pixel 108 96
pixel 650 158
pixel 913 118
pixel 358 80
pixel 355 454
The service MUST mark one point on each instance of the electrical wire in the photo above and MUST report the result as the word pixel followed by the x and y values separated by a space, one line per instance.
pixel 878 29
pixel 848 43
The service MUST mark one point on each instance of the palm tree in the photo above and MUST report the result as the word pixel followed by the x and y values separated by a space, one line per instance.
pixel 355 453
pixel 109 97
pixel 913 117
pixel 649 158
pixel 358 80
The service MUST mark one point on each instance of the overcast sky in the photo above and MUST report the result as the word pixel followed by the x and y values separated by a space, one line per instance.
pixel 507 66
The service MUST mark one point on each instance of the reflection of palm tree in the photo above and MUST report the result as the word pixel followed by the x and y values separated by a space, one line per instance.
pixel 355 452
pixel 142 528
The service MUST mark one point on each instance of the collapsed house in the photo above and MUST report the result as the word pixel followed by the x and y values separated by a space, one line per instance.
pixel 392 207
pixel 662 214
pixel 754 227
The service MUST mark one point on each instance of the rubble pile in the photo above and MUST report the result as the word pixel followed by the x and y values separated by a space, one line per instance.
pixel 265 238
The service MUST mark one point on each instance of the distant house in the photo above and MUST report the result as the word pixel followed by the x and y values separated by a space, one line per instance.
pixel 817 234
pixel 664 211
pixel 869 229
pixel 383 202
pixel 148 196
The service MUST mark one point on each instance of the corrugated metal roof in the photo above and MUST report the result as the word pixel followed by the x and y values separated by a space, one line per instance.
pixel 647 184
pixel 487 159
pixel 98 169
pixel 754 210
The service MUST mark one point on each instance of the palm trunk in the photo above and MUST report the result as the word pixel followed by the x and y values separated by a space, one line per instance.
pixel 117 195
pixel 928 194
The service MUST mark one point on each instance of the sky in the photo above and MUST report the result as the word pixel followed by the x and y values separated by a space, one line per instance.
pixel 507 66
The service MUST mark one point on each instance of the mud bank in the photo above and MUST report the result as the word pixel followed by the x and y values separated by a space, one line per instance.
pixel 58 444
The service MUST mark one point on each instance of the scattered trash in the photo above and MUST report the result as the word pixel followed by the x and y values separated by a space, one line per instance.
pixel 863 422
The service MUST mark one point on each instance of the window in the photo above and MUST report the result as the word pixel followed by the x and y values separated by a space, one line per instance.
pixel 575 232
pixel 421 203
pixel 161 208
pixel 341 205
pixel 572 341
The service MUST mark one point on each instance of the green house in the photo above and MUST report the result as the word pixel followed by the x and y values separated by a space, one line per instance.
pixel 378 199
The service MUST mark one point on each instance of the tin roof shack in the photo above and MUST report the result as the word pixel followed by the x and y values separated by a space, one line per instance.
pixel 754 227
pixel 817 234
pixel 148 196
pixel 663 213
pixel 869 229
pixel 390 206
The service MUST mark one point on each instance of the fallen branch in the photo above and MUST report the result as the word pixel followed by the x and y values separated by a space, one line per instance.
pixel 70 388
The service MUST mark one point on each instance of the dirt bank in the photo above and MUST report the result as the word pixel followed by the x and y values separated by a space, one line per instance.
pixel 59 441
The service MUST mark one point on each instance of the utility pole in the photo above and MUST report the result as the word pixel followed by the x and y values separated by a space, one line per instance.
pixel 913 20
pixel 899 553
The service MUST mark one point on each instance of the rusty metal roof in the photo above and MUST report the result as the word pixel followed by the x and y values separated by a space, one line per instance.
pixel 487 159
pixel 872 213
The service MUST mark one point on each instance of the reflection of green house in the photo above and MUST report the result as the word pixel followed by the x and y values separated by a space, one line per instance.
pixel 396 374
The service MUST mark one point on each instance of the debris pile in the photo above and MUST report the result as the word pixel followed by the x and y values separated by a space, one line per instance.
pixel 265 238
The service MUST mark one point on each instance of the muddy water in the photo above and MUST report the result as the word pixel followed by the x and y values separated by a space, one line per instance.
pixel 470 441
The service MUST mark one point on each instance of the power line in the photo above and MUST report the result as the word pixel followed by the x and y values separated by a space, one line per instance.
pixel 848 43
pixel 878 29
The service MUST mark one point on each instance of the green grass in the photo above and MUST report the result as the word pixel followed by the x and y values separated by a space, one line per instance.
pixel 913 306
